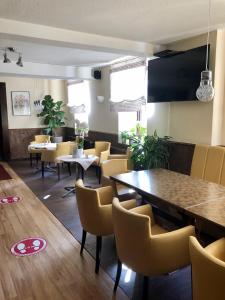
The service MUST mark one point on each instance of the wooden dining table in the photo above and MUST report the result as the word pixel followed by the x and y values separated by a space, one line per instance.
pixel 191 198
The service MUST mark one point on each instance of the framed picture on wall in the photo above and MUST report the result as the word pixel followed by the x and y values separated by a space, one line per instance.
pixel 21 103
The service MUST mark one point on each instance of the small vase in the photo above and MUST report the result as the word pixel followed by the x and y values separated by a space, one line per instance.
pixel 78 153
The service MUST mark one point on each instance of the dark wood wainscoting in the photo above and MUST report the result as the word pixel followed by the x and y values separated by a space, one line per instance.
pixel 109 137
pixel 180 153
pixel 19 140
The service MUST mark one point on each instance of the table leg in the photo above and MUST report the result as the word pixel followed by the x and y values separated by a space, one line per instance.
pixel 69 168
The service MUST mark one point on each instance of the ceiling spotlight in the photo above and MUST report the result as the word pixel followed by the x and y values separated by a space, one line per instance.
pixel 6 60
pixel 19 61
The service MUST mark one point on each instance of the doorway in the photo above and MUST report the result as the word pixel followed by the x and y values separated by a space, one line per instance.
pixel 4 130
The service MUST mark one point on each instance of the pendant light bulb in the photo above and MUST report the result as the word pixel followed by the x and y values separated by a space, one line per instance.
pixel 205 92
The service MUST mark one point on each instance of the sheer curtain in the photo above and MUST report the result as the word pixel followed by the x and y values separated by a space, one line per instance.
pixel 128 85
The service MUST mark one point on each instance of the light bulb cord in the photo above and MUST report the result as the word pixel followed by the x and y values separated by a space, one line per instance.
pixel 207 47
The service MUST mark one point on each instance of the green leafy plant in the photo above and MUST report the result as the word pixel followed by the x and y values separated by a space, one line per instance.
pixel 124 136
pixel 150 153
pixel 52 114
pixel 80 142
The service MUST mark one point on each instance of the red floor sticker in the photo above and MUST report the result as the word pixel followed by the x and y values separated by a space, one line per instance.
pixel 9 199
pixel 28 246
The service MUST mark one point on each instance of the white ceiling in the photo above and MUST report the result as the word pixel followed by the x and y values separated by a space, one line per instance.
pixel 40 53
pixel 141 20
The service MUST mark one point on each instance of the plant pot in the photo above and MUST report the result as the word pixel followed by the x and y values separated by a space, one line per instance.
pixel 57 139
pixel 78 153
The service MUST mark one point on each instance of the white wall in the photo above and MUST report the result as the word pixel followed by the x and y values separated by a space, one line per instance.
pixel 100 118
pixel 192 121
pixel 37 88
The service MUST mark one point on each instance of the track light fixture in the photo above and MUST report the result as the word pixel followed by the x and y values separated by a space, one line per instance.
pixel 19 61
pixel 8 50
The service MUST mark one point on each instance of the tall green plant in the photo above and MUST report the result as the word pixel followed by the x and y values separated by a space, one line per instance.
pixel 52 114
pixel 151 153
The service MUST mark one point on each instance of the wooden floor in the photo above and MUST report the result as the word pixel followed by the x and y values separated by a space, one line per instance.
pixel 59 272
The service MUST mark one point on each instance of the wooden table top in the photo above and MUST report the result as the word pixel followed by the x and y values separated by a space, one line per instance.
pixel 180 191
pixel 58 272
pixel 213 211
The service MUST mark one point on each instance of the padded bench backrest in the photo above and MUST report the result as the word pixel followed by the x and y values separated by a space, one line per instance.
pixel 199 161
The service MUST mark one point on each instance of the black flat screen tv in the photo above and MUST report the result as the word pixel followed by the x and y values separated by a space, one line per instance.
pixel 176 77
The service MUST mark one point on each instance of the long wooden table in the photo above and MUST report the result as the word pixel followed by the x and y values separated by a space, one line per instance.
pixel 56 273
pixel 192 197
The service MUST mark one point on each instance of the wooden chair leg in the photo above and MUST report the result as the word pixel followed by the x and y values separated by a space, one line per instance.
pixel 83 241
pixel 118 273
pixel 98 253
pixel 43 169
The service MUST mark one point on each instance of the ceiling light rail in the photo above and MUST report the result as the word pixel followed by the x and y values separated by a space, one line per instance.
pixel 7 51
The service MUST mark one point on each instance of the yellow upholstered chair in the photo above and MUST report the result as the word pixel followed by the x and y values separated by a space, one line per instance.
pixel 199 161
pixel 37 140
pixel 214 163
pixel 101 150
pixel 208 270
pixel 124 156
pixel 144 246
pixel 95 211
pixel 50 156
pixel 222 177
pixel 41 138
pixel 114 167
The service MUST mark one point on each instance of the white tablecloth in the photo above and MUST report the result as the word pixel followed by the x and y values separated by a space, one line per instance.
pixel 49 146
pixel 85 161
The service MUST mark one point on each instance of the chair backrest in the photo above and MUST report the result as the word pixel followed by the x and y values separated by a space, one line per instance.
pixel 101 146
pixel 64 148
pixel 114 166
pixel 199 161
pixel 130 164
pixel 88 203
pixel 222 177
pixel 214 163
pixel 132 233
pixel 41 138
pixel 208 273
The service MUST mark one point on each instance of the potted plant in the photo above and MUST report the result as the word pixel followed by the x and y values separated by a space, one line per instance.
pixel 151 153
pixel 124 135
pixel 53 116
pixel 80 147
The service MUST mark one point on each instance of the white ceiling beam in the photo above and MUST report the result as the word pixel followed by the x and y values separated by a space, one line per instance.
pixel 45 71
pixel 69 38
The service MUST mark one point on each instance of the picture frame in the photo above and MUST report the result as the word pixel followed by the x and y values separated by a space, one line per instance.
pixel 21 103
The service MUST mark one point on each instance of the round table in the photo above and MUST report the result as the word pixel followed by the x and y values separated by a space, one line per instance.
pixel 83 163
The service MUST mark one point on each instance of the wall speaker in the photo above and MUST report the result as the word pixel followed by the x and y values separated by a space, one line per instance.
pixel 97 74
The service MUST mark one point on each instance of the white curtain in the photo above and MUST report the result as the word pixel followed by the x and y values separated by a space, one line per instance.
pixel 79 97
pixel 128 85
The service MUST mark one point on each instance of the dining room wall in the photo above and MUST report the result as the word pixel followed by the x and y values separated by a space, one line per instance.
pixel 37 87
pixel 192 121
pixel 100 117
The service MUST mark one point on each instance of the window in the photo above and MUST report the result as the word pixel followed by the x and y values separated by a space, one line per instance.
pixel 79 102
pixel 129 83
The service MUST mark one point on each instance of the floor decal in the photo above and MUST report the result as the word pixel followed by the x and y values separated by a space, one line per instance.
pixel 28 246
pixel 9 199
